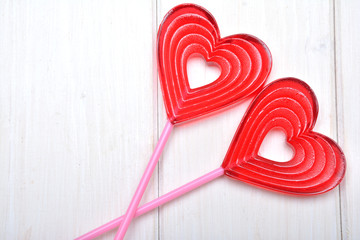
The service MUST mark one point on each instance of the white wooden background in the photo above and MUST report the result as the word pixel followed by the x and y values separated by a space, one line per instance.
pixel 81 110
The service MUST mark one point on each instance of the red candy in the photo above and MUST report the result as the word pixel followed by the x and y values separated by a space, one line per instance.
pixel 318 164
pixel 245 63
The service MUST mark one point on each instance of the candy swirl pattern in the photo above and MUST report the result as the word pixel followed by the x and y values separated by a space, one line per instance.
pixel 318 164
pixel 244 60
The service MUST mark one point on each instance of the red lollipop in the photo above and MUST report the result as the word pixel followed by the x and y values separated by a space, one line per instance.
pixel 318 164
pixel 245 64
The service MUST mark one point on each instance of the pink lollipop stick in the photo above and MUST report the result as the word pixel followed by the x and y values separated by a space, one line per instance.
pixel 155 203
pixel 245 63
pixel 144 181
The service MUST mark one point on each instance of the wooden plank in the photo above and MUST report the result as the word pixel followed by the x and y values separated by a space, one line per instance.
pixel 348 88
pixel 300 36
pixel 6 179
pixel 82 115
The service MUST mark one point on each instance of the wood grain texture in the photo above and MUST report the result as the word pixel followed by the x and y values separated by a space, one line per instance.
pixel 348 89
pixel 79 107
pixel 81 111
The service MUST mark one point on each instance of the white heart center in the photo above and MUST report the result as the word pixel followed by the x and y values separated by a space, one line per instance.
pixel 200 72
pixel 275 146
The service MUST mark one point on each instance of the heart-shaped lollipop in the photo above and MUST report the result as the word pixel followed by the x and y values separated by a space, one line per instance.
pixel 244 60
pixel 245 64
pixel 318 164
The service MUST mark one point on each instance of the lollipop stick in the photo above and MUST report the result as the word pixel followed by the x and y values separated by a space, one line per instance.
pixel 155 203
pixel 144 181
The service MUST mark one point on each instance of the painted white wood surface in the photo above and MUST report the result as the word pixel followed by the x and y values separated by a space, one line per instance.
pixel 347 14
pixel 78 115
pixel 81 111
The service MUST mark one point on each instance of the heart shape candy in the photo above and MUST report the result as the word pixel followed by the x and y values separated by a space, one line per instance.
pixel 318 164
pixel 244 60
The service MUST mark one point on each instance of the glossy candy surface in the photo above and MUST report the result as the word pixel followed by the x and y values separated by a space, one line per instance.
pixel 318 164
pixel 244 60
